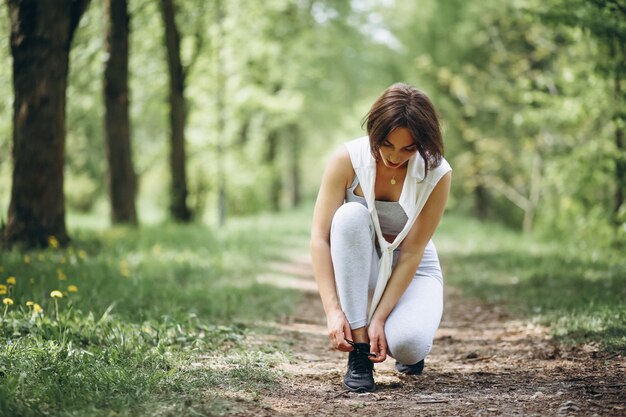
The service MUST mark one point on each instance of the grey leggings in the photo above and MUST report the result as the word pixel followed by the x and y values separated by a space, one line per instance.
pixel 410 328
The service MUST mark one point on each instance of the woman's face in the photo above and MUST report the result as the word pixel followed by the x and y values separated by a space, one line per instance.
pixel 398 148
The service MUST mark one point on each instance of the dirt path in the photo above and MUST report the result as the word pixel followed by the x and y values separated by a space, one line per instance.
pixel 483 363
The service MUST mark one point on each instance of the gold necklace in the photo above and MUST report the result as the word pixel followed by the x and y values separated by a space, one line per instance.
pixel 393 180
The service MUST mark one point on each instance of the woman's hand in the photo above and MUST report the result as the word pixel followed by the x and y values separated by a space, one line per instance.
pixel 339 330
pixel 378 342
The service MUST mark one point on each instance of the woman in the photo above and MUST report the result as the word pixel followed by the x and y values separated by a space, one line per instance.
pixel 379 203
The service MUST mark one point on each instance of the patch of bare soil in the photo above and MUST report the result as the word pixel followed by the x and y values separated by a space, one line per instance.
pixel 483 363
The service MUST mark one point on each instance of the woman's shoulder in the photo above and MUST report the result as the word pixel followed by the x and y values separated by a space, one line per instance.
pixel 340 165
pixel 339 158
pixel 436 173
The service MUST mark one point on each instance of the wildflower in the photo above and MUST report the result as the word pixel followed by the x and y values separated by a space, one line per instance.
pixel 7 302
pixel 26 259
pixel 124 269
pixel 53 242
pixel 61 275
pixel 3 289
pixel 30 303
pixel 72 288
pixel 37 308
pixel 56 294
pixel 11 280
pixel 82 254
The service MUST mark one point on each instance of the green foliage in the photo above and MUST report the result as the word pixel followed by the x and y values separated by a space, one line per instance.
pixel 579 294
pixel 159 316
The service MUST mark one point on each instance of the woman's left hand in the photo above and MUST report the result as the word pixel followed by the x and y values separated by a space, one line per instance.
pixel 378 342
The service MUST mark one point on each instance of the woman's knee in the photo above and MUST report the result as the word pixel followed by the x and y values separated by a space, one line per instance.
pixel 411 347
pixel 351 218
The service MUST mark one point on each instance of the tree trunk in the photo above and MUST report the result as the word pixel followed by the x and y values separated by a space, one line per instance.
pixel 122 180
pixel 178 205
pixel 275 185
pixel 294 169
pixel 222 197
pixel 620 143
pixel 41 36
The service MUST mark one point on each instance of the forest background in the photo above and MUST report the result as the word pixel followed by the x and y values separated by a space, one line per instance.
pixel 530 95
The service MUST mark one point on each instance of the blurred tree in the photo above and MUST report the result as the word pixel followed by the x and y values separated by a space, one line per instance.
pixel 605 21
pixel 41 37
pixel 122 179
pixel 178 205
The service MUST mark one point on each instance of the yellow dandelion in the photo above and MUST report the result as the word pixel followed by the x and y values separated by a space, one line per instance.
pixel 61 275
pixel 82 254
pixel 72 288
pixel 7 302
pixel 3 289
pixel 56 294
pixel 53 242
pixel 30 303
pixel 26 259
pixel 124 269
pixel 37 308
pixel 11 280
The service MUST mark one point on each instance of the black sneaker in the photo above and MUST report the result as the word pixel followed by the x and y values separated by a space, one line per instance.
pixel 360 374
pixel 410 369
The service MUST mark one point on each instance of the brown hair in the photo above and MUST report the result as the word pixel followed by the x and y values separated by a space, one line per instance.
pixel 402 105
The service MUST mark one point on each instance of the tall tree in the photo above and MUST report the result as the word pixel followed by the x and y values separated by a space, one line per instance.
pixel 41 37
pixel 121 178
pixel 605 21
pixel 178 205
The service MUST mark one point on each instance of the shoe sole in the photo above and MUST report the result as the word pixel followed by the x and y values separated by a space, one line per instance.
pixel 361 390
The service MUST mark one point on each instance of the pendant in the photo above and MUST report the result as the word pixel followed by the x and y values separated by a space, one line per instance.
pixel 393 180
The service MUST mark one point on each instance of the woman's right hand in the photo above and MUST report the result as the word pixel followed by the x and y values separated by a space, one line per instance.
pixel 339 331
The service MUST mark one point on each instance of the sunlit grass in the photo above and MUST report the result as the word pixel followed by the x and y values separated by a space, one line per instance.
pixel 581 296
pixel 136 307
pixel 157 320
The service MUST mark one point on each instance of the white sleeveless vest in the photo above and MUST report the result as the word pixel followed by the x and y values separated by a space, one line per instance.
pixel 414 195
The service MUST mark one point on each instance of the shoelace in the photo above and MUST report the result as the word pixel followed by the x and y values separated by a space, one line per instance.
pixel 357 349
pixel 361 363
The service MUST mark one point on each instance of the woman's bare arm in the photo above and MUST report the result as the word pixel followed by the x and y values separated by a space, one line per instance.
pixel 331 196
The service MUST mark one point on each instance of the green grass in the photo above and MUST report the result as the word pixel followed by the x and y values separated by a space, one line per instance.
pixel 581 296
pixel 168 319
pixel 159 323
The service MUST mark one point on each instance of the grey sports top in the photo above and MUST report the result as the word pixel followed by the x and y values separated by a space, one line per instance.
pixel 391 216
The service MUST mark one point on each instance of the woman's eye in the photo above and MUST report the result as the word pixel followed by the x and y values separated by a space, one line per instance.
pixel 410 149
pixel 387 144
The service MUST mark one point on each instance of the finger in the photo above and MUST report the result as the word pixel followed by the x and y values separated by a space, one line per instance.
pixel 335 339
pixel 374 348
pixel 347 334
pixel 380 350
pixel 374 344
pixel 339 342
